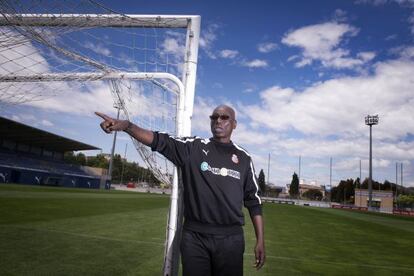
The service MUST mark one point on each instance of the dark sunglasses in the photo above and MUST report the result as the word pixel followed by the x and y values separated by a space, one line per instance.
pixel 223 117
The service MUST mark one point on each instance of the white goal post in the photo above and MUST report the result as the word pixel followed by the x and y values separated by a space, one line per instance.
pixel 32 27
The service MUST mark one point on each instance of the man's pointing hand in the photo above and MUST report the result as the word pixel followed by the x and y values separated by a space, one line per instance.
pixel 110 124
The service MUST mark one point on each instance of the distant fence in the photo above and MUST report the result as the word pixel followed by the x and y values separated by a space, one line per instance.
pixel 383 210
pixel 300 202
pixel 278 200
pixel 141 189
pixel 403 213
pixel 336 206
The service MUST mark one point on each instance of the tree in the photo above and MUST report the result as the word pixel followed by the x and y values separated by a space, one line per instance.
pixel 313 194
pixel 132 172
pixel 357 183
pixel 294 186
pixel 344 191
pixel 387 185
pixel 79 159
pixel 98 161
pixel 69 157
pixel 405 201
pixel 375 185
pixel 262 182
pixel 272 191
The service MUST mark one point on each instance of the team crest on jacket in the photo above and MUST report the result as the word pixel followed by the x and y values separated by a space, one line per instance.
pixel 235 159
pixel 204 166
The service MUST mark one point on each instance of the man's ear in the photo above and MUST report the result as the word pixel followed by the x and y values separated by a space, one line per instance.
pixel 235 124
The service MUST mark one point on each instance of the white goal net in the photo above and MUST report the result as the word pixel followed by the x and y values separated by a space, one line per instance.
pixel 146 63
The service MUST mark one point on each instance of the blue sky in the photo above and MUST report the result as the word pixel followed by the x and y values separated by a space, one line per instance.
pixel 301 75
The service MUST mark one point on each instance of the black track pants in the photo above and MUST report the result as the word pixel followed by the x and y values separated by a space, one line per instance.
pixel 212 255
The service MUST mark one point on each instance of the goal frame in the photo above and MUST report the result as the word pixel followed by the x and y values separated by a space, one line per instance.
pixel 185 87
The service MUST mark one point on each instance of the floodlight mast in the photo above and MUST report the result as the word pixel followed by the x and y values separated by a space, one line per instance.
pixel 370 121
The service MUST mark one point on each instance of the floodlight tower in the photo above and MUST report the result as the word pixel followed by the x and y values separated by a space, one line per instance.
pixel 370 121
pixel 118 105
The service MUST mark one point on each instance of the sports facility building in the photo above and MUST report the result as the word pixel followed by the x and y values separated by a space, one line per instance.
pixel 30 155
pixel 381 200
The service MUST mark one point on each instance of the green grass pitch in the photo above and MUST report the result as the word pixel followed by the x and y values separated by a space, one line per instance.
pixel 58 231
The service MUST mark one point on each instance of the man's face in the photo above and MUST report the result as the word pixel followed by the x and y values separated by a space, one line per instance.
pixel 222 123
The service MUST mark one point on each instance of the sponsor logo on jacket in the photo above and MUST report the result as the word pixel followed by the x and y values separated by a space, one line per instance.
pixel 219 171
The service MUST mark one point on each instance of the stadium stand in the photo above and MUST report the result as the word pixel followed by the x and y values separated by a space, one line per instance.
pixel 32 156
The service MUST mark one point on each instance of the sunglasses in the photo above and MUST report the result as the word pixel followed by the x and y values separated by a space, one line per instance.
pixel 223 117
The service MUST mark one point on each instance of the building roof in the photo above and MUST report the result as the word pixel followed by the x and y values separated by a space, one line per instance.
pixel 307 186
pixel 24 134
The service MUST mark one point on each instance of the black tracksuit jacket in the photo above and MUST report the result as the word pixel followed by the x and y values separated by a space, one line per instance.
pixel 218 179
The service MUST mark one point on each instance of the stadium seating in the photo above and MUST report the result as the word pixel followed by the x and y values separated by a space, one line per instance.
pixel 31 169
pixel 26 161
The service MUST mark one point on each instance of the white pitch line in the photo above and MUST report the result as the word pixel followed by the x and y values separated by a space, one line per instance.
pixel 84 235
pixel 338 263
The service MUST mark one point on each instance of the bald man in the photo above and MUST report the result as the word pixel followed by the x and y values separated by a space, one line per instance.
pixel 218 178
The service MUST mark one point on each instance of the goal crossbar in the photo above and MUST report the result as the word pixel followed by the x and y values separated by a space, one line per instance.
pixel 49 77
pixel 101 20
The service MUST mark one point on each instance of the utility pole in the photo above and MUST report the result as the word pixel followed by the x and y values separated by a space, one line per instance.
pixel 396 180
pixel 402 184
pixel 299 168
pixel 360 181
pixel 370 121
pixel 118 106
pixel 268 170
pixel 330 179
pixel 123 164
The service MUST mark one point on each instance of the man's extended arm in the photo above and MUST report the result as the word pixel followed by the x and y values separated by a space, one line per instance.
pixel 259 250
pixel 110 124
pixel 174 149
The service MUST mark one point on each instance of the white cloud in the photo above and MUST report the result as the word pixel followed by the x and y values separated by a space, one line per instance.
pixel 411 21
pixel 366 56
pixel 328 119
pixel 321 42
pixel 245 135
pixel 173 46
pixel 405 52
pixel 31 120
pixel 97 48
pixel 255 63
pixel 339 15
pixel 85 98
pixel 217 85
pixel 202 110
pixel 391 37
pixel 24 118
pixel 22 58
pixel 19 57
pixel 228 53
pixel 78 100
pixel 266 47
pixel 207 38
pixel 373 2
pixel 249 87
pixel 173 51
pixel 383 2
pixel 46 123
pixel 338 106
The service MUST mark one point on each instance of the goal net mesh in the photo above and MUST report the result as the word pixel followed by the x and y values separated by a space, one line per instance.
pixel 71 47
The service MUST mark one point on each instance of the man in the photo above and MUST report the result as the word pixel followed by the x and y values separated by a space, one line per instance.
pixel 218 177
